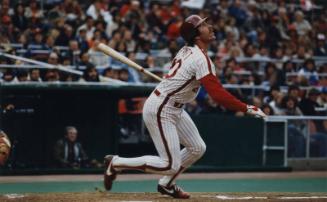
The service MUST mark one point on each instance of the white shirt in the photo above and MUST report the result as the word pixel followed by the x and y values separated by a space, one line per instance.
pixel 188 67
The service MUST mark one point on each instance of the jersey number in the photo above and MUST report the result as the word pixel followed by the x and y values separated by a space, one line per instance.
pixel 176 64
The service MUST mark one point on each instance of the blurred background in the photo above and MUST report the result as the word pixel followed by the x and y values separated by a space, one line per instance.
pixel 65 105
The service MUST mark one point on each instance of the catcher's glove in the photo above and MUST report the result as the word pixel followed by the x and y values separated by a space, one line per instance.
pixel 4 148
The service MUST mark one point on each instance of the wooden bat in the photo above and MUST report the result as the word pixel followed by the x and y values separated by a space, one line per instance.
pixel 111 52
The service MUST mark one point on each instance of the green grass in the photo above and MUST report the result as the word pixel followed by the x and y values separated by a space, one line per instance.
pixel 244 185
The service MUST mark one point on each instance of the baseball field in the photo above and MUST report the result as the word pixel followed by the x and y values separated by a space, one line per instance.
pixel 281 186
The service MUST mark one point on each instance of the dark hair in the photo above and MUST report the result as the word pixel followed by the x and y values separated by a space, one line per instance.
pixel 270 108
pixel 286 99
pixel 274 87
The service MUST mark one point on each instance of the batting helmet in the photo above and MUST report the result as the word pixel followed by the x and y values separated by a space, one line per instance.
pixel 189 30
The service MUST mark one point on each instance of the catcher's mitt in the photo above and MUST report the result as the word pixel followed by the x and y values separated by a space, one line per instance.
pixel 4 148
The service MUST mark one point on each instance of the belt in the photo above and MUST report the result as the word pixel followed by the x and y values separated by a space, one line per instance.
pixel 176 104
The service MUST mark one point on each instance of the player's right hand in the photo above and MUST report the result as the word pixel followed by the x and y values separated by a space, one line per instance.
pixel 255 111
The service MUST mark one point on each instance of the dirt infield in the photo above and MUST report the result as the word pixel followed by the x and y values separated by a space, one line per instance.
pixel 196 197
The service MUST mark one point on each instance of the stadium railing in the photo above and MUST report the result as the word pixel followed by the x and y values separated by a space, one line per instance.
pixel 305 144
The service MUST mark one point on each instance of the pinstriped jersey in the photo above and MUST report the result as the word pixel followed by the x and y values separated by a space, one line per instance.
pixel 187 68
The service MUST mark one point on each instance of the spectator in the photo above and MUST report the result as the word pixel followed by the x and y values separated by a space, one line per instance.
pixel 98 58
pixel 35 75
pixel 124 75
pixel 272 75
pixel 74 53
pixel 321 49
pixel 308 105
pixel 53 59
pixel 85 60
pixel 52 75
pixel 8 76
pixel 275 104
pixel 308 74
pixel 290 107
pixel 302 26
pixel 129 41
pixel 88 27
pixel 19 20
pixel 90 74
pixel 238 12
pixel 267 110
pixel 81 38
pixel 289 67
pixel 149 62
pixel 111 73
pixel 33 12
pixel 97 11
pixel 22 76
pixel 68 152
pixel 294 92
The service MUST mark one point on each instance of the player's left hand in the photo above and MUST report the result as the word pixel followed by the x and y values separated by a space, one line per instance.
pixel 255 111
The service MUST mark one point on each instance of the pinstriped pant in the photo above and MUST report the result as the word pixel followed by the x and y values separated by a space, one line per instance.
pixel 169 127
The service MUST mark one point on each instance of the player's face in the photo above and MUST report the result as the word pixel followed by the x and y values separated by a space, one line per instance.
pixel 206 33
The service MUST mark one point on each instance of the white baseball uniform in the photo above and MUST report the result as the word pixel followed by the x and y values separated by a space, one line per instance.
pixel 169 125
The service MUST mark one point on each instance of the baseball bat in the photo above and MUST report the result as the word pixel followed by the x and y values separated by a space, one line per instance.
pixel 111 52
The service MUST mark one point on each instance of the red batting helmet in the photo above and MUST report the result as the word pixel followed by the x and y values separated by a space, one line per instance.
pixel 189 30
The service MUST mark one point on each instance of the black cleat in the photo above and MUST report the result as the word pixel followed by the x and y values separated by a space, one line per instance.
pixel 173 191
pixel 109 173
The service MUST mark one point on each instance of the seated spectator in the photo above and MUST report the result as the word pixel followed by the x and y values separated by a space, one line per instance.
pixel 9 76
pixel 35 75
pixel 124 75
pixel 290 107
pixel 52 75
pixel 308 74
pixel 53 59
pixel 98 58
pixel 22 76
pixel 275 104
pixel 90 74
pixel 68 152
pixel 267 110
pixel 295 92
pixel 308 104
pixel 302 26
pixel 272 75
pixel 289 67
pixel 321 49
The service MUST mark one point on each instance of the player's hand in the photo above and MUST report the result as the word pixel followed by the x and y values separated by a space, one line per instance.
pixel 255 111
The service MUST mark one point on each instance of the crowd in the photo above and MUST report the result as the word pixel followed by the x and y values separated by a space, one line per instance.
pixel 267 43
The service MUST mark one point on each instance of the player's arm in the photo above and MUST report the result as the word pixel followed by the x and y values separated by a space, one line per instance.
pixel 224 98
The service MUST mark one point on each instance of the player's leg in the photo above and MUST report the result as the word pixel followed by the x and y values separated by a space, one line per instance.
pixel 193 143
pixel 161 125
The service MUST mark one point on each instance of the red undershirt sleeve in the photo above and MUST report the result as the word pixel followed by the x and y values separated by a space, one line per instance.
pixel 220 95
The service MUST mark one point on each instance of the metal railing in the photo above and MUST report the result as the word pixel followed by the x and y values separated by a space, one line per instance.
pixel 302 124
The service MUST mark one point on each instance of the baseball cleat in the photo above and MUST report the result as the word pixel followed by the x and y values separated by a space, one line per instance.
pixel 173 191
pixel 109 174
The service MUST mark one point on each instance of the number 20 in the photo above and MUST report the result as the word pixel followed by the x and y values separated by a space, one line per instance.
pixel 176 64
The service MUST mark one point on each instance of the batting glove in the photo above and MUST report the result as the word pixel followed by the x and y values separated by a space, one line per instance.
pixel 255 111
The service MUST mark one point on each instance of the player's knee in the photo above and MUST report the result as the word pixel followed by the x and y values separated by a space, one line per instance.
pixel 198 150
pixel 175 168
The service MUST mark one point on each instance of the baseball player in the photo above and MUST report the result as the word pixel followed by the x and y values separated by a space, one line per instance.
pixel 169 125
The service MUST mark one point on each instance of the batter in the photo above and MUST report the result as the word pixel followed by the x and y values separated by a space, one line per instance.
pixel 169 125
